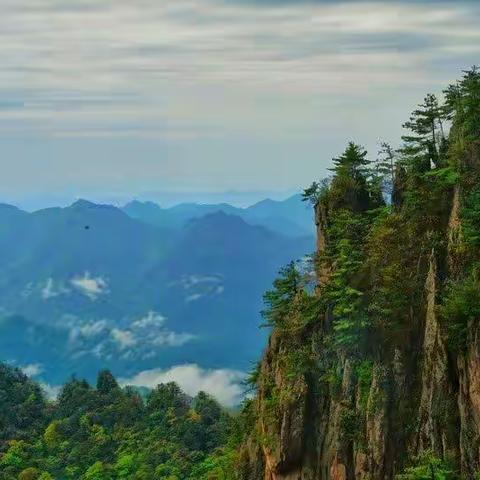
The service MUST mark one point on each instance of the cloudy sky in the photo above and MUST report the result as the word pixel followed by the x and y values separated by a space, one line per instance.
pixel 106 97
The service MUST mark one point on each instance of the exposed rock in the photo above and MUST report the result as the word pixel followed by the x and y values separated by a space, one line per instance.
pixel 285 434
pixel 436 392
pixel 377 430
pixel 422 395
pixel 455 235
pixel 321 224
pixel 469 402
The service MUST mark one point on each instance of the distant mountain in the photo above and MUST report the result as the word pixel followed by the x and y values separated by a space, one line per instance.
pixel 148 212
pixel 90 286
pixel 290 217
pixel 177 216
pixel 82 258
pixel 228 266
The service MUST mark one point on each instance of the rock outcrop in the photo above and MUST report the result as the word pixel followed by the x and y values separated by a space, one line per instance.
pixel 420 397
pixel 377 367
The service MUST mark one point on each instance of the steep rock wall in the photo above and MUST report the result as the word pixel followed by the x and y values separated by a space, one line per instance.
pixel 422 397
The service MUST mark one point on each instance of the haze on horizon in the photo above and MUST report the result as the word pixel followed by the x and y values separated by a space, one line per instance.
pixel 116 98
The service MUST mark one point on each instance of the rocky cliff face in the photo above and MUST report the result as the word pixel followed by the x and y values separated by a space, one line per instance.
pixel 408 384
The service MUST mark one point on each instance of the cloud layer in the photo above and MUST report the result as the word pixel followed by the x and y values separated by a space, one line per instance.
pixel 206 77
pixel 85 284
pixel 89 286
pixel 225 385
pixel 143 338
pixel 89 65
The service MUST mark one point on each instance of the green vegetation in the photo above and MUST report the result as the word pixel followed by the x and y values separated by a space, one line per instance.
pixel 428 467
pixel 110 433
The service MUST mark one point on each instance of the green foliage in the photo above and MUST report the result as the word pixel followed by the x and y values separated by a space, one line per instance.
pixel 52 435
pixel 428 467
pixel 355 185
pixel 384 168
pixel 350 424
pixel 125 466
pixel 29 473
pixel 369 301
pixel 289 304
pixel 471 218
pixel 443 177
pixel 45 476
pixel 97 471
pixel 219 466
pixel 251 381
pixel 342 295
pixel 352 163
pixel 21 410
pixel 462 107
pixel 364 373
pixel 423 144
pixel 316 192
pixel 279 299
pixel 106 382
pixel 110 433
pixel 460 307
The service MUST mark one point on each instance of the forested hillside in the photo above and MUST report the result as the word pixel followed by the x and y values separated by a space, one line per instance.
pixel 108 433
pixel 373 370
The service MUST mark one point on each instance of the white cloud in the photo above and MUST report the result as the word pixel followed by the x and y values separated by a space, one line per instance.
pixel 51 391
pixel 52 289
pixel 124 338
pixel 32 370
pixel 190 280
pixel 223 56
pixel 199 286
pixel 89 286
pixel 171 339
pixel 224 384
pixel 194 297
pixel 149 331
pixel 141 339
pixel 268 81
pixel 27 291
pixel 48 291
pixel 89 329
pixel 151 319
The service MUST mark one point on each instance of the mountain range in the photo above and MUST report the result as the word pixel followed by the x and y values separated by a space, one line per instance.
pixel 289 217
pixel 140 287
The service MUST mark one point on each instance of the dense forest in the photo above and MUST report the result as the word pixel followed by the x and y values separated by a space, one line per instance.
pixel 108 433
pixel 372 369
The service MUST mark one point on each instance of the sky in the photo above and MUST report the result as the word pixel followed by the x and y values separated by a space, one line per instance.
pixel 111 99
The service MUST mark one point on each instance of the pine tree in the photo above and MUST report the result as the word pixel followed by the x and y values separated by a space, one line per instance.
pixel 352 163
pixel 279 299
pixel 384 170
pixel 106 382
pixel 353 186
pixel 423 145
pixel 462 103
pixel 315 192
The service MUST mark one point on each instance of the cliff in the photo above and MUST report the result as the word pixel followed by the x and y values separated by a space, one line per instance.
pixel 375 371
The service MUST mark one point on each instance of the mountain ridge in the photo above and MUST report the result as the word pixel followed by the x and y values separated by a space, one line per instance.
pixel 93 270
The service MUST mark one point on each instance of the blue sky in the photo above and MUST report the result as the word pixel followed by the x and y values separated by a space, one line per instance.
pixel 116 98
